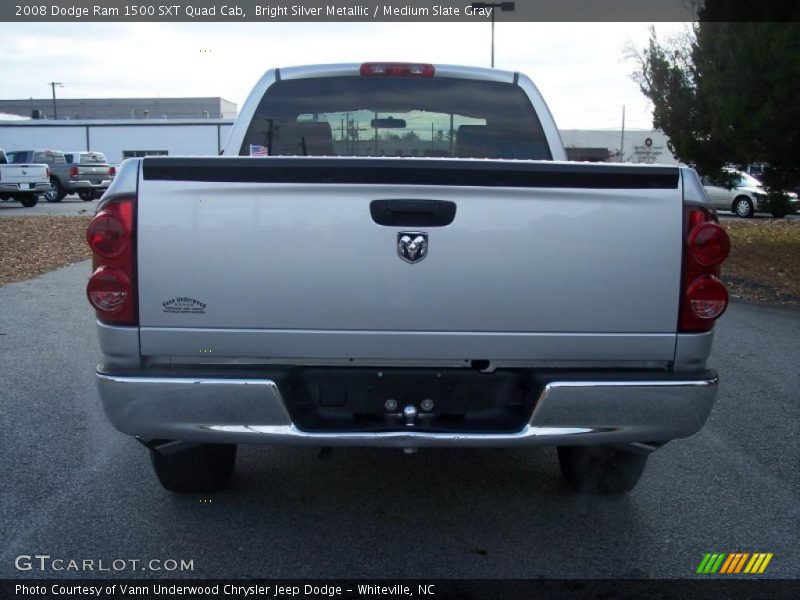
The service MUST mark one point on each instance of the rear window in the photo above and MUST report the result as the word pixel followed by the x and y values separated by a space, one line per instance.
pixel 49 158
pixel 370 116
pixel 745 180
pixel 92 158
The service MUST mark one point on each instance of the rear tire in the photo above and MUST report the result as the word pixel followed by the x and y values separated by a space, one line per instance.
pixel 201 468
pixel 28 200
pixel 742 207
pixel 600 469
pixel 56 193
pixel 86 195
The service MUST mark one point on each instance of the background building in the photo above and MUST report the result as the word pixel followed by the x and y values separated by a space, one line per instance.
pixel 122 108
pixel 636 145
pixel 119 139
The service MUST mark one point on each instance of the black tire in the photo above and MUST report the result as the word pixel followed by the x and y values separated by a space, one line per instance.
pixel 202 468
pixel 5 196
pixel 86 195
pixel 742 207
pixel 28 200
pixel 600 469
pixel 57 191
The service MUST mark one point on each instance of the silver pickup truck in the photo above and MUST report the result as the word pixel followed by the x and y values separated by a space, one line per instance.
pixel 400 255
pixel 84 173
pixel 23 182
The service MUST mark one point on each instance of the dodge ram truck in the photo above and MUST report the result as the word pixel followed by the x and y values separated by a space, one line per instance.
pixel 23 182
pixel 85 173
pixel 394 254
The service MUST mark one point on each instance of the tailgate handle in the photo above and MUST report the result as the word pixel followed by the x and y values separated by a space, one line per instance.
pixel 412 213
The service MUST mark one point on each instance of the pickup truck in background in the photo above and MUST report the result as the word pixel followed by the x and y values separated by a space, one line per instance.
pixel 393 254
pixel 23 182
pixel 92 169
pixel 86 173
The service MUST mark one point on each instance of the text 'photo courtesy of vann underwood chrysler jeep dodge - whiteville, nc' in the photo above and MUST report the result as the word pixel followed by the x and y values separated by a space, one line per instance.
pixel 468 289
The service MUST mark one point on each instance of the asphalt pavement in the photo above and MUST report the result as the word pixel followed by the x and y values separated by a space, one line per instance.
pixel 69 206
pixel 74 488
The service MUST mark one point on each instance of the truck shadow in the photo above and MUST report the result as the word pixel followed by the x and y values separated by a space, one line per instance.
pixel 378 512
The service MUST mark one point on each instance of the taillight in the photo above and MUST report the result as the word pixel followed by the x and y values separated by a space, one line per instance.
pixel 111 289
pixel 709 244
pixel 396 70
pixel 112 171
pixel 107 235
pixel 703 296
pixel 707 297
pixel 73 171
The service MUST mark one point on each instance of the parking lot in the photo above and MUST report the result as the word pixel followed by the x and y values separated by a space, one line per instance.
pixel 69 206
pixel 74 488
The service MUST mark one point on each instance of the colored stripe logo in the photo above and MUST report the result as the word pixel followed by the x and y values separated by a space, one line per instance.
pixel 734 563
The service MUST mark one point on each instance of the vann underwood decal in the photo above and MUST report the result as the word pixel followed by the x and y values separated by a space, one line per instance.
pixel 184 306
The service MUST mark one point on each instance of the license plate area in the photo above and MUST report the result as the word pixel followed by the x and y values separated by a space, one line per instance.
pixel 374 400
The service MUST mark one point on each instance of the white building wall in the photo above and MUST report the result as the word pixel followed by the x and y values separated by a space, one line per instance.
pixel 202 137
pixel 637 148
pixel 32 137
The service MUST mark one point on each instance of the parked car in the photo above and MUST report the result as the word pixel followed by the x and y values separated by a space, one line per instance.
pixel 87 179
pixel 23 182
pixel 745 197
pixel 306 290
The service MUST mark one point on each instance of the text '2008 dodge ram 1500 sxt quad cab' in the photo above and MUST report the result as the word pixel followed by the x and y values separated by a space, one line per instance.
pixel 400 255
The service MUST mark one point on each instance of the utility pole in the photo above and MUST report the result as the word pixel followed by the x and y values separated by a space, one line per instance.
pixel 622 138
pixel 493 38
pixel 492 6
pixel 53 85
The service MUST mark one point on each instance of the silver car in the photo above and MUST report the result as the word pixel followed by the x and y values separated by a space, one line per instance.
pixel 747 195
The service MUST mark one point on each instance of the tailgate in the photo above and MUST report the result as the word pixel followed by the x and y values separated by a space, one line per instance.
pixel 284 258
pixel 21 174
pixel 94 172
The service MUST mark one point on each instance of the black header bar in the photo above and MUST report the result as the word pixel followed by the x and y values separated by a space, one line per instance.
pixel 409 171
pixel 266 11
pixel 400 589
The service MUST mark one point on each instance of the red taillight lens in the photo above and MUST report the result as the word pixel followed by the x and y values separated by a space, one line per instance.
pixel 109 290
pixel 106 235
pixel 707 297
pixel 397 70
pixel 709 244
pixel 73 171
pixel 112 287
pixel 703 296
pixel 112 171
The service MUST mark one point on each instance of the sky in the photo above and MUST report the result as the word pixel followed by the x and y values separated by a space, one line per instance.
pixel 580 68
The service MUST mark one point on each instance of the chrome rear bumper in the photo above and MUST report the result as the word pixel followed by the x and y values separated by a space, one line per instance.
pixel 35 188
pixel 633 409
pixel 85 184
